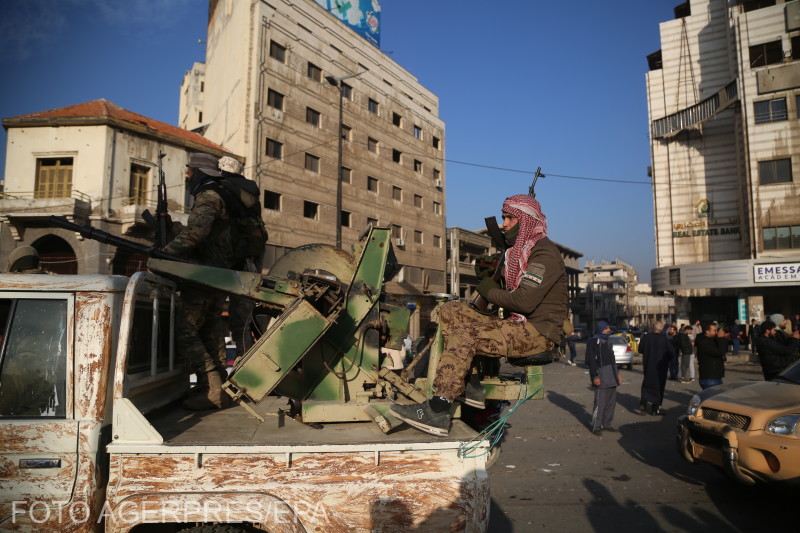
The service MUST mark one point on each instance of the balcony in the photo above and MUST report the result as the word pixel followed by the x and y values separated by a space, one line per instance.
pixel 692 117
pixel 130 214
pixel 22 208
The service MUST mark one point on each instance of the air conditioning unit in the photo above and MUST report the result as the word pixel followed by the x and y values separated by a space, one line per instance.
pixel 437 183
pixel 400 242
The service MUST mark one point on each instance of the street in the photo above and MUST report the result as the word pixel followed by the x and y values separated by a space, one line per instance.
pixel 553 474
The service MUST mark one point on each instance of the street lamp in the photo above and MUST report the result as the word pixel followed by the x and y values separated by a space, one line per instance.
pixel 336 82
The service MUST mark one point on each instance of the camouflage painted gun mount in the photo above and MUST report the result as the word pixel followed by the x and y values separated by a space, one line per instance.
pixel 332 318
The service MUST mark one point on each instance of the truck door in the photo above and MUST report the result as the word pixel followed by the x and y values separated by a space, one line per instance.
pixel 38 433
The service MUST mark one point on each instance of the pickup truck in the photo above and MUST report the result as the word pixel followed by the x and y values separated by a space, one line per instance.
pixel 93 438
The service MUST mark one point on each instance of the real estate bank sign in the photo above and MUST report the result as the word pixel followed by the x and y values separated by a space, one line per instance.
pixel 776 272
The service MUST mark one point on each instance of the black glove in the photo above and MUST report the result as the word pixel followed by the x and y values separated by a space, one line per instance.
pixel 485 265
pixel 486 285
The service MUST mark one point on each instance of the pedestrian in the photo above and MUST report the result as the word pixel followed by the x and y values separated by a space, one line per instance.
pixel 736 340
pixel 249 238
pixel 571 340
pixel 781 325
pixel 605 377
pixel 656 352
pixel 711 347
pixel 199 328
pixel 674 341
pixel 753 334
pixel 773 355
pixel 535 304
pixel 686 351
pixel 795 322
pixel 24 260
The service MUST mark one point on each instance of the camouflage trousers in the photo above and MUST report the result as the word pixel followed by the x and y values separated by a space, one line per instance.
pixel 468 333
pixel 199 329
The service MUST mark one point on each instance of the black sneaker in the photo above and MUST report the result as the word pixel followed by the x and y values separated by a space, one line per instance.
pixel 474 396
pixel 422 417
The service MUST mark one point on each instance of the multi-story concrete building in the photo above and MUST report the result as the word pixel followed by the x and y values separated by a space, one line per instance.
pixel 94 163
pixel 270 90
pixel 609 293
pixel 724 109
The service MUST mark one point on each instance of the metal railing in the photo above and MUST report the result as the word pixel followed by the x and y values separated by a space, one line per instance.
pixel 693 116
pixel 44 195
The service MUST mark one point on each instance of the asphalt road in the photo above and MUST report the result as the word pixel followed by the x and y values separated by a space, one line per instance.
pixel 553 474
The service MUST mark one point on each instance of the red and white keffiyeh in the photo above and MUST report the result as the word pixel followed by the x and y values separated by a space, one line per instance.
pixel 532 229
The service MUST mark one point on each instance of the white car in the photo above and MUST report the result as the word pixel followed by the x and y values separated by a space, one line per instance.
pixel 623 353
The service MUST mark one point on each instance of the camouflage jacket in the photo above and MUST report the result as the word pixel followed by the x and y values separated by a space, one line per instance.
pixel 207 235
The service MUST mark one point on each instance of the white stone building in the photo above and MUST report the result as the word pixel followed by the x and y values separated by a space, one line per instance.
pixel 724 110
pixel 266 95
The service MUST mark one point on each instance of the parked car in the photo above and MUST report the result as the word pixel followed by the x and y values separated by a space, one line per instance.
pixel 637 334
pixel 623 353
pixel 751 431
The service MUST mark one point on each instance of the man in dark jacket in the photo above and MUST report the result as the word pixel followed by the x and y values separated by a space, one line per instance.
pixel 773 355
pixel 711 348
pixel 535 302
pixel 685 348
pixel 656 351
pixel 605 378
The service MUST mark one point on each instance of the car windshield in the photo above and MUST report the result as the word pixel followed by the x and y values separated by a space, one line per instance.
pixel 791 373
pixel 617 340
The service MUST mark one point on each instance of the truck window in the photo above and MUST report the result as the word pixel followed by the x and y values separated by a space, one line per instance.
pixel 141 344
pixel 33 360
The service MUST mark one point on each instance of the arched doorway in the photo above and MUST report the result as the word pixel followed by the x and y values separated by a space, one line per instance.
pixel 56 255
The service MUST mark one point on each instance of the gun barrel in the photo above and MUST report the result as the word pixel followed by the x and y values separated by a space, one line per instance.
pixel 107 238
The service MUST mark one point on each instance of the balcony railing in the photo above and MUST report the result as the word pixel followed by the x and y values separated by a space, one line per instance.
pixel 692 117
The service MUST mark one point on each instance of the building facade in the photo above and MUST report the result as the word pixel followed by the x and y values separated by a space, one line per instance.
pixel 272 90
pixel 92 163
pixel 609 293
pixel 724 109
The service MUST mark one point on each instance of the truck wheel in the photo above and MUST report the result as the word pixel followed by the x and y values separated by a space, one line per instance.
pixel 217 528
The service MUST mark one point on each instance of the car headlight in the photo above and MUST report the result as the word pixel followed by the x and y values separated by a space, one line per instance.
pixel 694 404
pixel 783 425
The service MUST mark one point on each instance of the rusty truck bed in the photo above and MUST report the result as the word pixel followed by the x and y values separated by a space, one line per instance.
pixel 235 426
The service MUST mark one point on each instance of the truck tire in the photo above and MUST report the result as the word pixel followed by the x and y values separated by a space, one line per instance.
pixel 217 528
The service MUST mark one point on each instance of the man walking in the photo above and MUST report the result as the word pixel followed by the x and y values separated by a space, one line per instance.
pixel 773 355
pixel 605 378
pixel 711 348
pixel 686 353
pixel 656 353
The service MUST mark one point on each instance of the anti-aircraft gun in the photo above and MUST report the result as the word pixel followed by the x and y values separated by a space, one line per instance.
pixel 333 326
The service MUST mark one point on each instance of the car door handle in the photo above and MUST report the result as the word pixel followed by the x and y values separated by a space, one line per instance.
pixel 40 463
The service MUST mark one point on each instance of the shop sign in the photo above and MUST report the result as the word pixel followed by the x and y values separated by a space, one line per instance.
pixel 776 272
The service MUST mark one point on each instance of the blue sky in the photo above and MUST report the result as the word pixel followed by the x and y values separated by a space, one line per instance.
pixel 521 84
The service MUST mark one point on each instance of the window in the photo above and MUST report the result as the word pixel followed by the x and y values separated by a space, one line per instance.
pixel 314 72
pixel 437 241
pixel 33 378
pixel 770 110
pixel 397 120
pixel 200 116
pixel 781 237
pixel 272 200
pixel 347 91
pixel 346 175
pixel 275 99
pixel 346 132
pixel 436 174
pixel 766 54
pixel 418 166
pixel 312 117
pixel 274 148
pixel 797 104
pixel 372 105
pixel 417 201
pixel 436 142
pixel 140 184
pixel 312 163
pixel 752 5
pixel 437 208
pixel 277 51
pixel 310 209
pixel 372 184
pixel 345 219
pixel 775 171
pixel 417 132
pixel 372 145
pixel 53 178
pixel 397 231
pixel 397 156
pixel 397 193
pixel 417 237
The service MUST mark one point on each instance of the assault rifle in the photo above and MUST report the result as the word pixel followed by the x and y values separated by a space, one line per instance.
pixel 162 219
pixel 104 237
